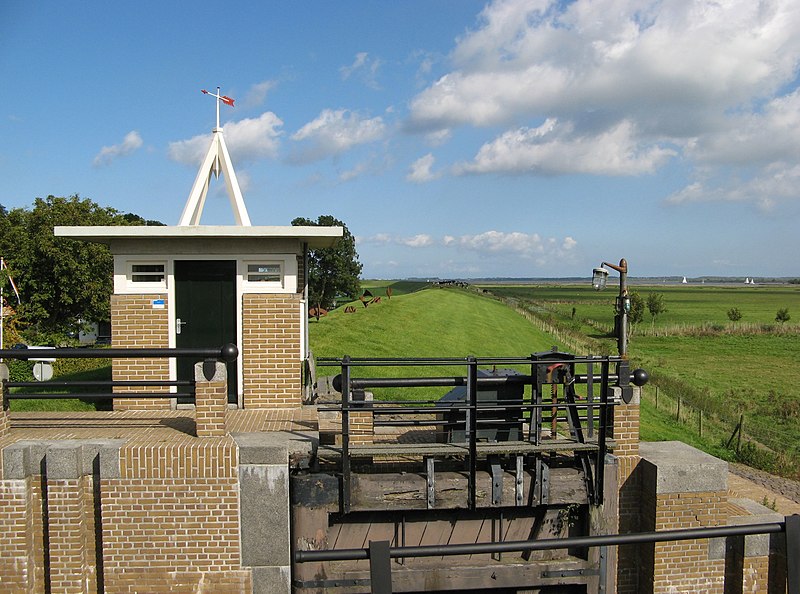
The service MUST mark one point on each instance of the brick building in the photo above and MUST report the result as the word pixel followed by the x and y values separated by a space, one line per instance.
pixel 196 285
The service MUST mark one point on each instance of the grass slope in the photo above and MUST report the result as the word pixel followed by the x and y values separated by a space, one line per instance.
pixel 427 323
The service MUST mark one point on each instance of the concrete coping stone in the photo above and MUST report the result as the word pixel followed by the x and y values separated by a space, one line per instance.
pixel 755 545
pixel 275 447
pixel 675 467
pixel 62 459
pixel 220 372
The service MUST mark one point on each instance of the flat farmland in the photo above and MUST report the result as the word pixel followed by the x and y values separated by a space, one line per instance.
pixel 695 353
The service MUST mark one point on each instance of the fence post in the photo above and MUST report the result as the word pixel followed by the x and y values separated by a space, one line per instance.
pixel 678 416
pixel 792 554
pixel 700 423
pixel 5 422
pixel 656 397
pixel 739 437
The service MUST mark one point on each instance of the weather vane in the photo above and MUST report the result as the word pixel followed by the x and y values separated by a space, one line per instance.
pixel 224 98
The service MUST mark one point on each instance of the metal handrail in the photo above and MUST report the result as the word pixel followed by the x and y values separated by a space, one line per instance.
pixel 347 384
pixel 227 353
pixel 380 553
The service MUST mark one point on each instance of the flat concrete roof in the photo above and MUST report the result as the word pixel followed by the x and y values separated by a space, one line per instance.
pixel 315 237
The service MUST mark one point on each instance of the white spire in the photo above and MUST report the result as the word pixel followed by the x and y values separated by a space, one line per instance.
pixel 217 161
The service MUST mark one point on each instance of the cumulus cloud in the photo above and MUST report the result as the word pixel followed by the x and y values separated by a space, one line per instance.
pixel 555 148
pixel 108 154
pixel 623 56
pixel 618 87
pixel 420 170
pixel 517 243
pixel 334 132
pixel 247 140
pixel 421 240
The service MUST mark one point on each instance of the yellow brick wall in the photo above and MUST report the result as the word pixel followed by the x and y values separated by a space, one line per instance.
pixel 626 436
pixel 271 351
pixel 17 564
pixel 683 566
pixel 136 324
pixel 171 521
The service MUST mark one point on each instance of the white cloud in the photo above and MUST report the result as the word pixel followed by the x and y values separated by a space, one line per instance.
pixel 258 93
pixel 420 170
pixel 247 140
pixel 129 144
pixel 528 246
pixel 365 68
pixel 622 86
pixel 555 148
pixel 621 56
pixel 775 183
pixel 335 132
pixel 417 241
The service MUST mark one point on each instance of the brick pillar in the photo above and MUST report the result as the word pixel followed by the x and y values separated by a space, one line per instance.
pixel 5 423
pixel 361 427
pixel 682 487
pixel 211 400
pixel 626 435
pixel 70 529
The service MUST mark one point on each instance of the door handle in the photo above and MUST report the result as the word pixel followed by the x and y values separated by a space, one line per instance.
pixel 179 324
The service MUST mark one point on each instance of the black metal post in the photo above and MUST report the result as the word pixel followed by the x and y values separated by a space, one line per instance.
pixel 472 426
pixel 793 554
pixel 380 567
pixel 346 434
pixel 606 416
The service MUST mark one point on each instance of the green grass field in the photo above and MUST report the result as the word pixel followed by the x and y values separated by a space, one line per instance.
pixel 694 352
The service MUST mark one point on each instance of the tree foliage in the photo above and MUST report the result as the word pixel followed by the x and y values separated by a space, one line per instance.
pixel 655 305
pixel 332 271
pixel 783 315
pixel 636 314
pixel 734 315
pixel 61 281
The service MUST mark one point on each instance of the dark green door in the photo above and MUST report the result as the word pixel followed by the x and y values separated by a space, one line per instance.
pixel 205 308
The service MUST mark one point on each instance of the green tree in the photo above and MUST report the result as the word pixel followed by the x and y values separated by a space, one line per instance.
pixel 783 315
pixel 655 305
pixel 61 281
pixel 734 315
pixel 332 271
pixel 636 314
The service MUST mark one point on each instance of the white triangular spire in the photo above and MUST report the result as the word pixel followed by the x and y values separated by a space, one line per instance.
pixel 217 161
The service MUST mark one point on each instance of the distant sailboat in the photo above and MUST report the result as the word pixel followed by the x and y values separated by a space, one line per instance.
pixel 684 281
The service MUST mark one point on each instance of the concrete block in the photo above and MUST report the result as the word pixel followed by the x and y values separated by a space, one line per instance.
pixel 264 497
pixel 276 447
pixel 755 545
pixel 220 372
pixel 25 458
pixel 674 467
pixel 272 580
pixel 64 461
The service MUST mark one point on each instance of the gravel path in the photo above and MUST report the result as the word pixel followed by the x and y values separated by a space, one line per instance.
pixel 782 486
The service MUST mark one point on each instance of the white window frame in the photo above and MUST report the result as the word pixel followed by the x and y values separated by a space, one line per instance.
pixel 287 264
pixel 145 287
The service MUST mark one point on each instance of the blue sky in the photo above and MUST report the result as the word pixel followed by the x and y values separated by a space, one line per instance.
pixel 454 138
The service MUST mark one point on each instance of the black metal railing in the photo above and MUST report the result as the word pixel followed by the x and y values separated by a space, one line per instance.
pixel 380 553
pixel 209 356
pixel 588 415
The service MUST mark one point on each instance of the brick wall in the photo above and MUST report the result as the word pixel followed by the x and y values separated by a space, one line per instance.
pixel 136 324
pixel 271 351
pixel 681 488
pixel 171 519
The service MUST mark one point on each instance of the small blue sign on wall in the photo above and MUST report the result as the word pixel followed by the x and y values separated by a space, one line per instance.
pixel 158 304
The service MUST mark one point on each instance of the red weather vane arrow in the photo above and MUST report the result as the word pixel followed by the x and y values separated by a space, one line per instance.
pixel 224 98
